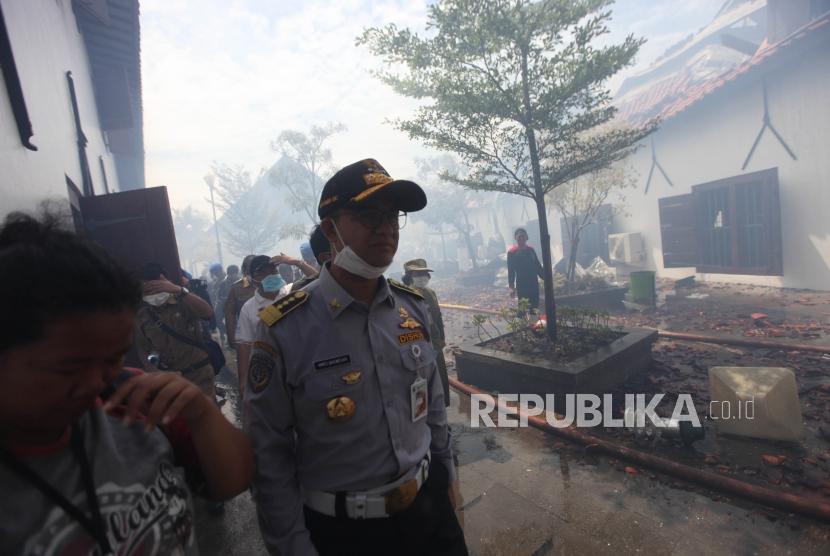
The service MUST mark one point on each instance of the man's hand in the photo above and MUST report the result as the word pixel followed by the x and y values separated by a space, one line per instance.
pixel 282 258
pixel 161 398
pixel 162 285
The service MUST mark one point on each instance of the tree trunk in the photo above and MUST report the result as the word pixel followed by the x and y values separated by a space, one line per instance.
pixel 547 263
pixel 468 240
pixel 572 258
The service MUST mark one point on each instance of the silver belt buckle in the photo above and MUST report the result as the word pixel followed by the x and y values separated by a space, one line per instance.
pixel 360 505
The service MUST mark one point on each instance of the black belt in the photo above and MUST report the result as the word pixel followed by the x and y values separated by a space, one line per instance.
pixel 197 365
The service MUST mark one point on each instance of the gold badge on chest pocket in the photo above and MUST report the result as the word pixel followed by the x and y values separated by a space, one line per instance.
pixel 340 409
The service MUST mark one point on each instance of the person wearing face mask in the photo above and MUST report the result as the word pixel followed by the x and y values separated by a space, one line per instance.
pixel 344 402
pixel 168 329
pixel 269 285
pixel 417 274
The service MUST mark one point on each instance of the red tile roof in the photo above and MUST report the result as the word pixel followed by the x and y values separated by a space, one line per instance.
pixel 765 53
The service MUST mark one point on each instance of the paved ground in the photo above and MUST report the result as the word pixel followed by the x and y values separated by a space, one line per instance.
pixel 525 493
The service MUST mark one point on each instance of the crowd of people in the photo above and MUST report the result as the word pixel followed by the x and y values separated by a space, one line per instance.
pixel 345 441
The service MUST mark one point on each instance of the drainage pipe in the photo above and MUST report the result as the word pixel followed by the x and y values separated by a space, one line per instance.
pixel 812 507
pixel 690 337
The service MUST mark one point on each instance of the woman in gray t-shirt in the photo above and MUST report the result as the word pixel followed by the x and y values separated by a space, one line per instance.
pixel 79 475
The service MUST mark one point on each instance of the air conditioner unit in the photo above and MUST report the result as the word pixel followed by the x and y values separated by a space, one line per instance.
pixel 626 248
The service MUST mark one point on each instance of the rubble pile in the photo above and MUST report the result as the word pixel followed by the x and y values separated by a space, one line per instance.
pixel 682 368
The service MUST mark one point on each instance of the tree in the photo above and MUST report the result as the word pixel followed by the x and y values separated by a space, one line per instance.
pixel 191 227
pixel 579 200
pixel 513 87
pixel 248 226
pixel 446 200
pixel 302 181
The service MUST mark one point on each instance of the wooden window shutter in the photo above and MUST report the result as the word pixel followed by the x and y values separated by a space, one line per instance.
pixel 678 231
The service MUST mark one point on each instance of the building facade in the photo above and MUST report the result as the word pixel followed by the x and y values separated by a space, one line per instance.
pixel 70 101
pixel 736 182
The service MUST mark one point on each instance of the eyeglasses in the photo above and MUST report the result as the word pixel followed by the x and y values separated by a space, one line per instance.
pixel 375 218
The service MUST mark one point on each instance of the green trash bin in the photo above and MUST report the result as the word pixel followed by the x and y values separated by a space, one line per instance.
pixel 641 286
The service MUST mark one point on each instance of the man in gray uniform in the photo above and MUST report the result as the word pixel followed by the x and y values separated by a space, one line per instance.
pixel 345 406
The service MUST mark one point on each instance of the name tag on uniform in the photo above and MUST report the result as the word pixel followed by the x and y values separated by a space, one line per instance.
pixel 333 362
pixel 418 399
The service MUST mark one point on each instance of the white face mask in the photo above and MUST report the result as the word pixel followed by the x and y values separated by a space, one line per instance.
pixel 351 262
pixel 420 281
pixel 157 299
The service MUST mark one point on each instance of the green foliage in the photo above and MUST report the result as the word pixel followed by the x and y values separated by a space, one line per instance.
pixel 490 72
pixel 584 324
pixel 517 89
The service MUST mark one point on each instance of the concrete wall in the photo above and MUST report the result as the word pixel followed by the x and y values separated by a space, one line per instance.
pixel 710 141
pixel 46 44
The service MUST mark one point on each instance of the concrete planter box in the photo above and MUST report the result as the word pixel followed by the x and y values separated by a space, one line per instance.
pixel 608 299
pixel 596 372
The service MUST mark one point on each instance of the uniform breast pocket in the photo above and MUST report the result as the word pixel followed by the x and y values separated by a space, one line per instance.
pixel 418 356
pixel 339 394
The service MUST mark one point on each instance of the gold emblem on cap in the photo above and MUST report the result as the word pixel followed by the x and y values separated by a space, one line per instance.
pixel 376 178
pixel 352 377
pixel 340 409
pixel 403 313
pixel 334 304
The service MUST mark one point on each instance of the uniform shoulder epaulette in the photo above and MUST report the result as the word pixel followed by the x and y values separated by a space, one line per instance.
pixel 271 314
pixel 404 288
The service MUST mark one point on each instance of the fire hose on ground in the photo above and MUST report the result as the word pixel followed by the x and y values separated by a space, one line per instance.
pixel 812 507
pixel 781 500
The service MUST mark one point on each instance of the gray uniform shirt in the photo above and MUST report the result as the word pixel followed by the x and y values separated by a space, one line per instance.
pixel 328 347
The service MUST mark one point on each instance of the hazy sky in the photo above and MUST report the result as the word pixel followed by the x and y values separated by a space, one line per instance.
pixel 222 78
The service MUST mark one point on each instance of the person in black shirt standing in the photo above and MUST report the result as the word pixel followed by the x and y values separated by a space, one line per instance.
pixel 523 267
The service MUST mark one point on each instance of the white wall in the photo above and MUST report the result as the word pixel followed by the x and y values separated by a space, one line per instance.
pixel 46 44
pixel 710 141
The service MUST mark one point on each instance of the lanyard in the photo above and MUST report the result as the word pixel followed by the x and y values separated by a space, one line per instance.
pixel 95 525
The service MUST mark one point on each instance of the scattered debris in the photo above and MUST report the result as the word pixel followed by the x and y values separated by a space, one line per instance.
pixel 682 367
pixel 697 296
pixel 600 269
pixel 688 282
pixel 773 460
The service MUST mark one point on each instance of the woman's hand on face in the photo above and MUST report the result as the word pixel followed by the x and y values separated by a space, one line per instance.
pixel 160 398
